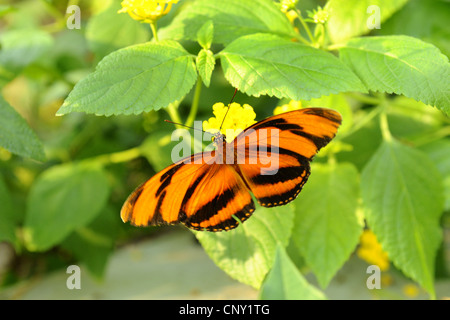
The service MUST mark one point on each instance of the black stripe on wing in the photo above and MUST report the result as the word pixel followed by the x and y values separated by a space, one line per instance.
pixel 212 208
pixel 325 113
pixel 279 199
pixel 279 123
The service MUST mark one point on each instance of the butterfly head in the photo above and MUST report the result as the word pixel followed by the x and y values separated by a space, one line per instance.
pixel 218 138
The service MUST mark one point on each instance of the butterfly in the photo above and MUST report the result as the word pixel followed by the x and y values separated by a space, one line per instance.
pixel 212 190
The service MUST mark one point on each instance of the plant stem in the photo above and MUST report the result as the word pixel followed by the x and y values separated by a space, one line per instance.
pixel 154 30
pixel 430 137
pixel 319 35
pixel 305 26
pixel 332 159
pixel 303 40
pixel 116 157
pixel 366 119
pixel 172 110
pixel 195 103
pixel 384 126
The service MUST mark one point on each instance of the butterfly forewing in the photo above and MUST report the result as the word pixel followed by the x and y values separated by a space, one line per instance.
pixel 159 199
pixel 276 173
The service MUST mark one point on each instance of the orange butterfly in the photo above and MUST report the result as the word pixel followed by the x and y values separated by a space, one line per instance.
pixel 211 190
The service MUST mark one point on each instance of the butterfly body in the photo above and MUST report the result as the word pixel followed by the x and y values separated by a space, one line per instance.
pixel 212 190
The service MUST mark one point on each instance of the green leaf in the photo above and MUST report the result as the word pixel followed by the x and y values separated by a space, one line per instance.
pixel 412 120
pixel 231 19
pixel 205 65
pixel 206 34
pixel 61 200
pixel 265 64
pixel 403 201
pixel 16 136
pixel 93 244
pixel 247 252
pixel 349 18
pixel 108 31
pixel 285 281
pixel 434 30
pixel 135 79
pixel 326 226
pixel 22 47
pixel 439 152
pixel 401 65
pixel 7 225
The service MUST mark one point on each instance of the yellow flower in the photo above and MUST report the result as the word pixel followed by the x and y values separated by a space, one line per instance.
pixel 292 105
pixel 291 15
pixel 386 280
pixel 370 251
pixel 286 5
pixel 237 119
pixel 411 290
pixel 147 10
pixel 319 16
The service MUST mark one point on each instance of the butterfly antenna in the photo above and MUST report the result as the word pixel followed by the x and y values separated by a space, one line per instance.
pixel 183 125
pixel 223 120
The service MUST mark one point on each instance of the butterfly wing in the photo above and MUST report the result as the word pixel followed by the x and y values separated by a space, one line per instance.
pixel 196 191
pixel 154 202
pixel 275 153
pixel 218 201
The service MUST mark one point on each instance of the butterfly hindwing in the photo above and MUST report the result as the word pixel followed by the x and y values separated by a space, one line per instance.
pixel 278 150
pixel 218 200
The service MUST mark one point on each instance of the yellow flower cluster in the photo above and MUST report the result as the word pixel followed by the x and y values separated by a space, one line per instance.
pixel 286 5
pixel 370 251
pixel 237 119
pixel 147 10
pixel 320 15
pixel 292 105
